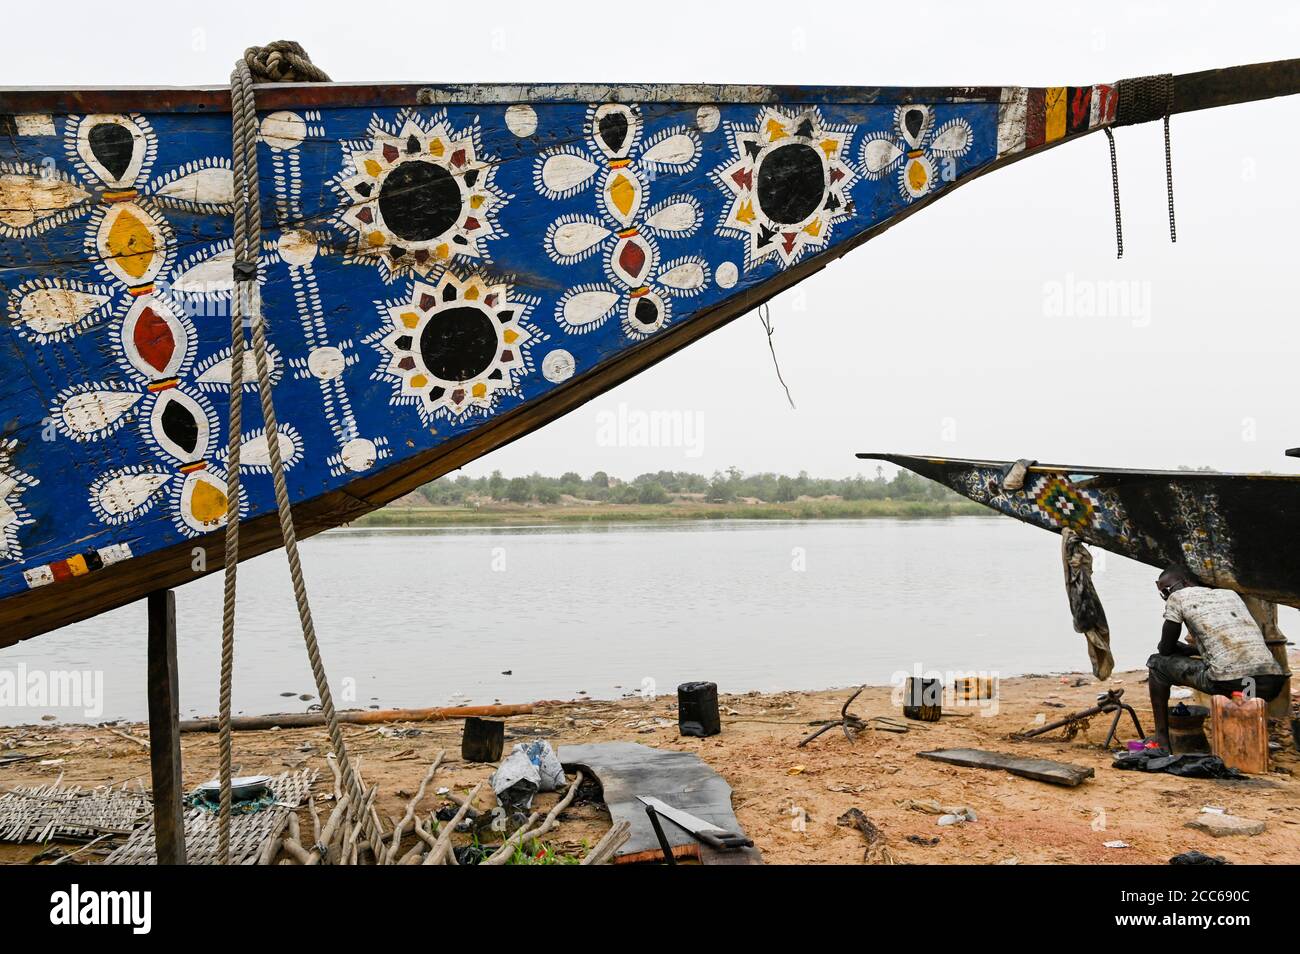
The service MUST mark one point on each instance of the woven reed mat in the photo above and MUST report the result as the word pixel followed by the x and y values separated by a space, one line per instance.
pixel 249 834
pixel 42 812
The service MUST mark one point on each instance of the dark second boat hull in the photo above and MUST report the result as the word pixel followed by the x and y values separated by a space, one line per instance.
pixel 1237 531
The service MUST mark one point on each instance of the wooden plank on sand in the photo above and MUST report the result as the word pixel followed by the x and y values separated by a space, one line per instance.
pixel 1040 770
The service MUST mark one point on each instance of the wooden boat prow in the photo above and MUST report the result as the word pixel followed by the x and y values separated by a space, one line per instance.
pixel 1236 531
pixel 445 268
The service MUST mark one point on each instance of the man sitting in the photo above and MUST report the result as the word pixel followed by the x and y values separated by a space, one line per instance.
pixel 1227 652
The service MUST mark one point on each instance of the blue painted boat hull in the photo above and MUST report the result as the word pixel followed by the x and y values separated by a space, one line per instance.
pixel 443 270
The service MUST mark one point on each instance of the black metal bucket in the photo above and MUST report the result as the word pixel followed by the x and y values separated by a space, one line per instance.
pixel 1187 729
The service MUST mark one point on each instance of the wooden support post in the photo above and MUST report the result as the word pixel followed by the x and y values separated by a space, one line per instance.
pixel 164 730
pixel 482 740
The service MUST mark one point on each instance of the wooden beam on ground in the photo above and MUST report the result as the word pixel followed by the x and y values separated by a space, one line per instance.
pixel 1040 770
pixel 297 720
pixel 164 734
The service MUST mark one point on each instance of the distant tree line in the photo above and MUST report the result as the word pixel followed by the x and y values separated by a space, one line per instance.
pixel 662 487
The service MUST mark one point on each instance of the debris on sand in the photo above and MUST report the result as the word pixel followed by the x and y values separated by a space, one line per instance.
pixel 877 851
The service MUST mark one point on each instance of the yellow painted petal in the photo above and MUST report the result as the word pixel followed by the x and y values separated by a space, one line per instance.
pixel 775 131
pixel 916 176
pixel 207 503
pixel 623 194
pixel 131 243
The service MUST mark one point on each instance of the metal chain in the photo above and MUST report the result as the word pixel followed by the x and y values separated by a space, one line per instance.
pixel 1114 180
pixel 245 306
pixel 1169 182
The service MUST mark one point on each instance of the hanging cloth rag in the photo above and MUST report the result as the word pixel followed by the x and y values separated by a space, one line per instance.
pixel 1085 605
pixel 1014 477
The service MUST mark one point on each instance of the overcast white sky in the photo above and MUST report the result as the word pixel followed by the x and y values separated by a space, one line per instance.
pixel 936 337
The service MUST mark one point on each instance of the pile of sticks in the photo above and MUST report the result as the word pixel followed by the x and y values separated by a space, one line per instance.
pixel 353 834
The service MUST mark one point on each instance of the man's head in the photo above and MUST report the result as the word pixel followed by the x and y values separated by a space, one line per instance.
pixel 1172 579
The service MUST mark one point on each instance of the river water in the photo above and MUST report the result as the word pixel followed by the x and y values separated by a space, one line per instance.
pixel 420 617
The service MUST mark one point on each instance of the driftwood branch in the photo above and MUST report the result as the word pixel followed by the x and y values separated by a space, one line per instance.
pixel 400 828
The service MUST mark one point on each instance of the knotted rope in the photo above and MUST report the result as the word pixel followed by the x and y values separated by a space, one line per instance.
pixel 281 60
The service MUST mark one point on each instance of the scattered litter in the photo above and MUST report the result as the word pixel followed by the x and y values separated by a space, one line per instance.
pixel 877 851
pixel 796 770
pixel 922 841
pixel 959 817
pixel 531 767
pixel 931 806
pixel 845 788
pixel 392 732
pixel 1116 844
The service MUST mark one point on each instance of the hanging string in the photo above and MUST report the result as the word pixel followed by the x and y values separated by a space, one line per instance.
pixel 1114 180
pixel 1169 183
pixel 765 316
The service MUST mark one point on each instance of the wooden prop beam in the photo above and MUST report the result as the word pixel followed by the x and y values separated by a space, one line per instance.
pixel 164 734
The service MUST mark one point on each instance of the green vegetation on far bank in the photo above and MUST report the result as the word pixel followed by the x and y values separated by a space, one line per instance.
pixel 667 496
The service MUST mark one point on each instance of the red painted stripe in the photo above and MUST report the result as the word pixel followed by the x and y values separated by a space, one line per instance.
pixel 1034 118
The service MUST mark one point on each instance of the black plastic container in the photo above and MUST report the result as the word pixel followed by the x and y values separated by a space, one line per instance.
pixel 923 699
pixel 697 709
